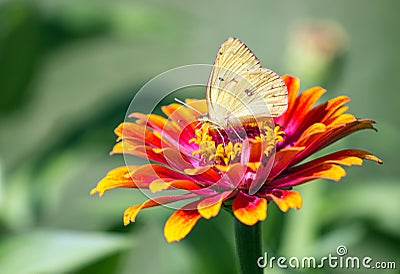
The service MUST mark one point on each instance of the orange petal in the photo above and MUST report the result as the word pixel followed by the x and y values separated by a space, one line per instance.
pixel 249 209
pixel 149 173
pixel 128 147
pixel 350 157
pixel 307 99
pixel 222 168
pixel 339 111
pixel 331 135
pixel 210 207
pixel 324 171
pixel 282 160
pixel 296 116
pixel 125 146
pixel 153 120
pixel 158 123
pixel 200 105
pixel 131 212
pixel 180 223
pixel 328 171
pixel 116 178
pixel 138 132
pixel 206 172
pixel 253 151
pixel 327 110
pixel 172 133
pixel 309 133
pixel 197 170
pixel 159 185
pixel 341 120
pixel 253 166
pixel 327 167
pixel 286 199
pixel 180 114
pixel 162 184
pixel 347 157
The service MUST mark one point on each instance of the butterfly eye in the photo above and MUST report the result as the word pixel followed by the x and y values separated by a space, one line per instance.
pixel 220 78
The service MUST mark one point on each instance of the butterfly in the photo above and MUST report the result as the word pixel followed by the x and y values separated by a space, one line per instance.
pixel 240 90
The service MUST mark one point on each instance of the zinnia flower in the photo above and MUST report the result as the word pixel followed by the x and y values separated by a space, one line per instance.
pixel 214 171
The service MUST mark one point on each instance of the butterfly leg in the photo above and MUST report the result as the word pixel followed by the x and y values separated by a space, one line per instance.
pixel 233 129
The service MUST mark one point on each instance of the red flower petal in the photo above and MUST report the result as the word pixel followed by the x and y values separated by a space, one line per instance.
pixel 298 109
pixel 249 209
pixel 293 86
pixel 262 176
pixel 282 160
pixel 205 174
pixel 174 158
pixel 304 103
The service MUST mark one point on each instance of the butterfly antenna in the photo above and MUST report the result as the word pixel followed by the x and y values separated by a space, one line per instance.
pixel 186 105
pixel 199 122
pixel 220 134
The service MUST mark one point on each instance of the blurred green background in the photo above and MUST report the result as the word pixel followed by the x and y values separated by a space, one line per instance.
pixel 68 70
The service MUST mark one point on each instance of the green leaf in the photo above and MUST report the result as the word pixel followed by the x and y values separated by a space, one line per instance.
pixel 20 50
pixel 376 201
pixel 52 251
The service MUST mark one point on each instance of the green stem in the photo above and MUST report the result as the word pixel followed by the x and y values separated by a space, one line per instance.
pixel 248 246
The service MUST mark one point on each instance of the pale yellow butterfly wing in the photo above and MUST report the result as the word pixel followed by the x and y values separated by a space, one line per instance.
pixel 257 94
pixel 240 90
pixel 233 58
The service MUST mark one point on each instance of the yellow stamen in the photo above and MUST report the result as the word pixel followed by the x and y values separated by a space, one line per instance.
pixel 221 154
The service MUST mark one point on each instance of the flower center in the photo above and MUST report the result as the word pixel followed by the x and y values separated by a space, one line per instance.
pixel 223 146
